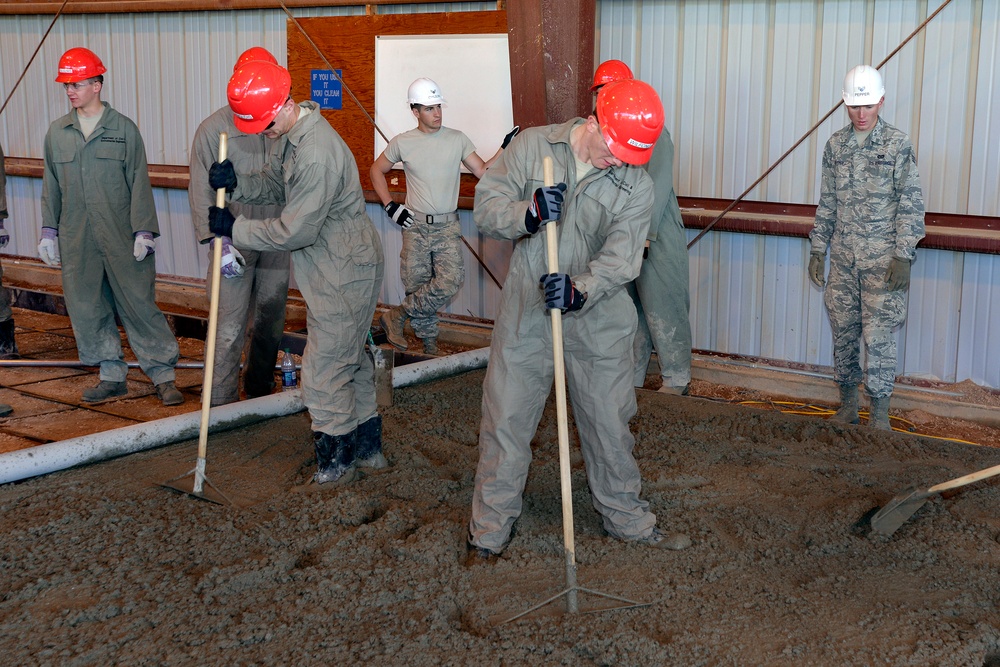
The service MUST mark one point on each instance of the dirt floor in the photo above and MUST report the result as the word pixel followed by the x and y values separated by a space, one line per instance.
pixel 102 566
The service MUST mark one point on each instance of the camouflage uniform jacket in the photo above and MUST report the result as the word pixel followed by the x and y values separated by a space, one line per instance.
pixel 871 206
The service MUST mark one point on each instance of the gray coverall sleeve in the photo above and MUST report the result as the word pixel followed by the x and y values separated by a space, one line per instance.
pixel 265 187
pixel 312 189
pixel 143 208
pixel 499 206
pixel 200 195
pixel 51 192
pixel 661 170
pixel 826 211
pixel 910 211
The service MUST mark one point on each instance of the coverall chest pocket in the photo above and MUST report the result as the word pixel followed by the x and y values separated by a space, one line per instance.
pixel 69 178
pixel 879 176
pixel 109 164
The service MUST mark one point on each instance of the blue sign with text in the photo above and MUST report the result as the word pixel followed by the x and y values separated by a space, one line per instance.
pixel 326 89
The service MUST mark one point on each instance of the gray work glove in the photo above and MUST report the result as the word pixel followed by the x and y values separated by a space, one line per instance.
pixel 546 206
pixel 817 267
pixel 48 246
pixel 898 276
pixel 232 259
pixel 144 245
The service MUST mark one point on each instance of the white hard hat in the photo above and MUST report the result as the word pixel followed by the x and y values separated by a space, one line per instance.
pixel 863 86
pixel 424 91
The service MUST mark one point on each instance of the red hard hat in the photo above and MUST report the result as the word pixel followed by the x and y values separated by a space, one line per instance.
pixel 256 93
pixel 631 118
pixel 79 64
pixel 253 54
pixel 608 71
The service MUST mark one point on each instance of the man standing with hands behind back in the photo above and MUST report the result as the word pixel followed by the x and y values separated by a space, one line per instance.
pixel 871 215
pixel 99 220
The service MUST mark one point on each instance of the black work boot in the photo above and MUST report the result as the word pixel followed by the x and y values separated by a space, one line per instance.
pixel 848 412
pixel 334 457
pixel 393 323
pixel 8 346
pixel 369 449
pixel 104 389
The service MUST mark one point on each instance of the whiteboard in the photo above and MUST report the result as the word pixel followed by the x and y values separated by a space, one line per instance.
pixel 472 71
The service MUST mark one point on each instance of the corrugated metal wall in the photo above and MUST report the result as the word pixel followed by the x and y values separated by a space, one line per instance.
pixel 743 80
pixel 168 71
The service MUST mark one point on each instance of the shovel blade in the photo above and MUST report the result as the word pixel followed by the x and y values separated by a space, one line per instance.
pixel 895 513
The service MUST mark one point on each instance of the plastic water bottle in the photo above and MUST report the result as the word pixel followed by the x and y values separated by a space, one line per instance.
pixel 288 376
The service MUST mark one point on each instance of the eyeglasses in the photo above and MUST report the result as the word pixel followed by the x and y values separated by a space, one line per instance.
pixel 77 85
pixel 270 125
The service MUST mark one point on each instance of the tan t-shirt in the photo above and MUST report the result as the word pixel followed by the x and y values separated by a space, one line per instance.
pixel 432 162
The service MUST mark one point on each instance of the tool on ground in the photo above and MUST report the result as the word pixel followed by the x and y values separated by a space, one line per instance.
pixel 562 422
pixel 198 489
pixel 383 372
pixel 905 504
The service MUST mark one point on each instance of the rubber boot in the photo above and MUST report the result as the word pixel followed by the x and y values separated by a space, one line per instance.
pixel 878 413
pixel 369 449
pixel 8 346
pixel 848 412
pixel 392 323
pixel 334 457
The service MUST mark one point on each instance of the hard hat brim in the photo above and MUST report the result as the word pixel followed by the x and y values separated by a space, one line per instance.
pixel 629 154
pixel 254 126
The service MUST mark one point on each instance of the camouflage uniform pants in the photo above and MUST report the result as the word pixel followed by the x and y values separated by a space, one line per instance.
pixel 432 271
pixel 859 306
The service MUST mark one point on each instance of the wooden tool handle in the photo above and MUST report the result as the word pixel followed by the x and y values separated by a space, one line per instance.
pixel 220 193
pixel 967 479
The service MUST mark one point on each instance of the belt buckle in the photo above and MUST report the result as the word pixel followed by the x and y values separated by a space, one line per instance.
pixel 429 219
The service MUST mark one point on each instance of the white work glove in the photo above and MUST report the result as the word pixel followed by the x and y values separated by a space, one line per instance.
pixel 145 244
pixel 232 259
pixel 4 236
pixel 48 247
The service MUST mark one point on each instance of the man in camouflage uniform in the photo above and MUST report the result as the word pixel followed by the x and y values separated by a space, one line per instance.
pixel 431 265
pixel 871 215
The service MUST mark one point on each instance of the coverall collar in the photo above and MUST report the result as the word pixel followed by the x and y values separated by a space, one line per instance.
pixel 304 123
pixel 109 120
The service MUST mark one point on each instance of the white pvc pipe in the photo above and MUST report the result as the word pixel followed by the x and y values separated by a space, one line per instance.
pixel 43 459
pixel 54 456
pixel 439 367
